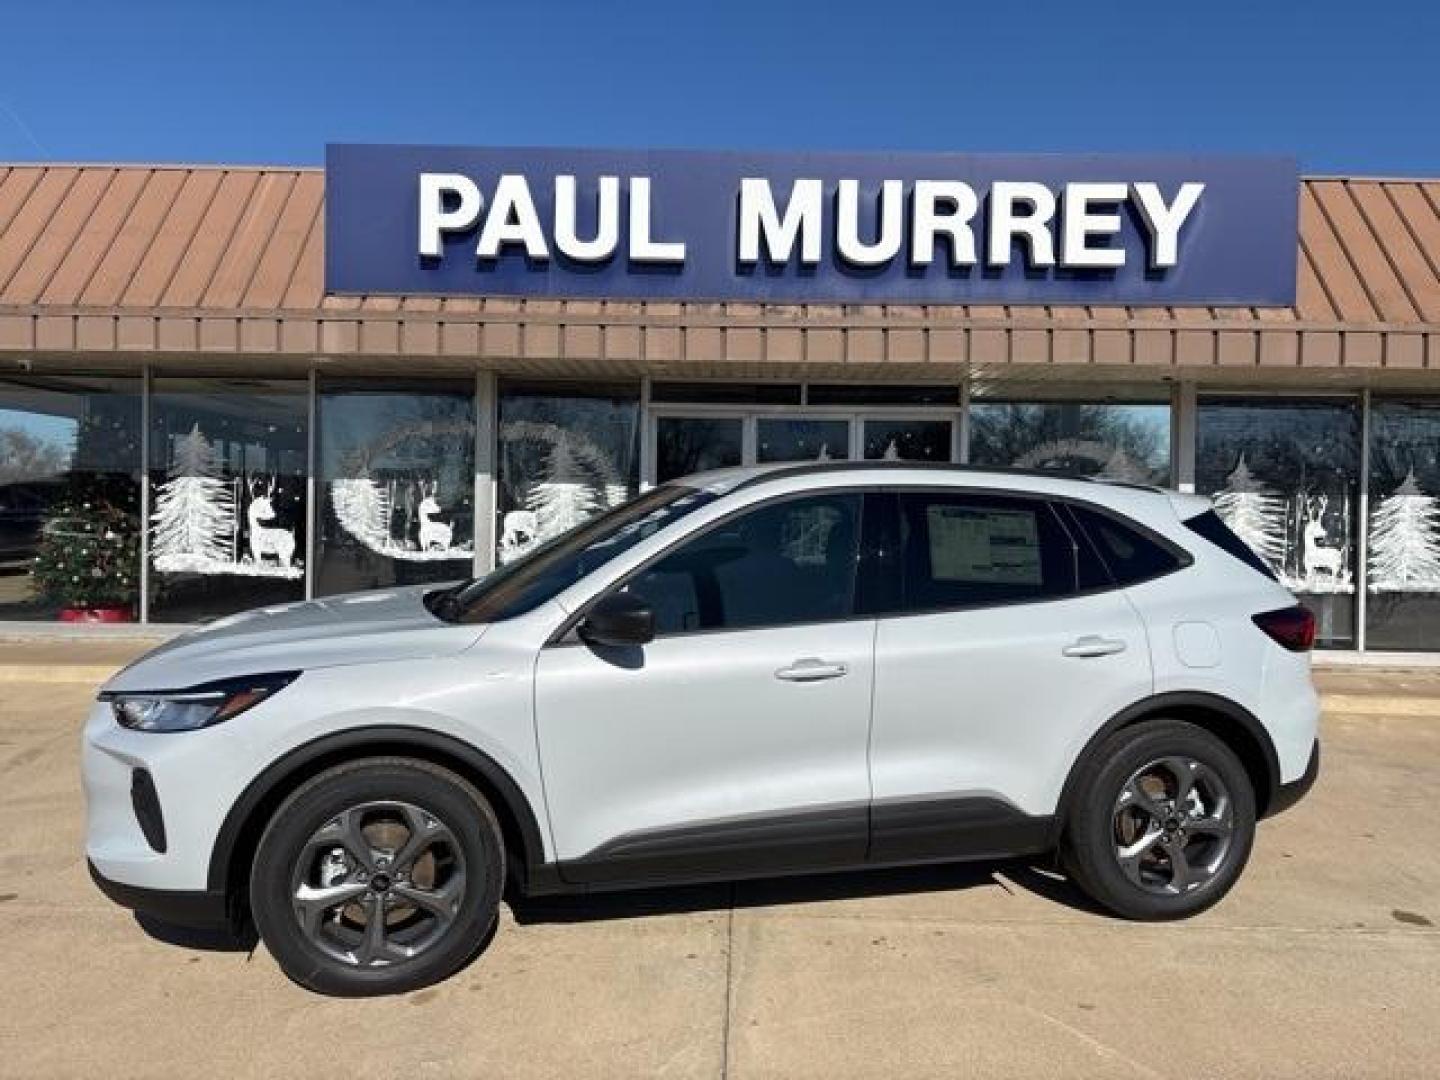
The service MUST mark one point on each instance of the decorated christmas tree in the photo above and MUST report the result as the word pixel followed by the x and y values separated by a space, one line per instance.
pixel 1252 514
pixel 1405 541
pixel 89 550
pixel 194 518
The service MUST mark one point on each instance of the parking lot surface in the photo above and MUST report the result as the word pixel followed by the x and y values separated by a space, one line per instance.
pixel 1324 962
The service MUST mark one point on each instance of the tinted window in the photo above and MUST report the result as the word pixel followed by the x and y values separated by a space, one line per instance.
pixel 1130 555
pixel 964 549
pixel 784 563
pixel 558 563
pixel 1209 526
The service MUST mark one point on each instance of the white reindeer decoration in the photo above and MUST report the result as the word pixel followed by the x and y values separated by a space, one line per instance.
pixel 1315 556
pixel 434 535
pixel 265 539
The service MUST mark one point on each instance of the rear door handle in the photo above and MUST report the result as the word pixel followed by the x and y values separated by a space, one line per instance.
pixel 1093 645
pixel 811 669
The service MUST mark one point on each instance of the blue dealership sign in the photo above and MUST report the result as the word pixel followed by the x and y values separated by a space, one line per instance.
pixel 801 227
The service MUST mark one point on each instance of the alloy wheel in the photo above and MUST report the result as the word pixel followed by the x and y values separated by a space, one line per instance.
pixel 1173 825
pixel 379 884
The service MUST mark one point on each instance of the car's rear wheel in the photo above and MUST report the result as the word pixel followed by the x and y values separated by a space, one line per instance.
pixel 377 877
pixel 1162 822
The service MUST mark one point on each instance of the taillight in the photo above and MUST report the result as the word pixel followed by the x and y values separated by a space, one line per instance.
pixel 1292 627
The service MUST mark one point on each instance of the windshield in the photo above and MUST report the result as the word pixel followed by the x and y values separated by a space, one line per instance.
pixel 563 560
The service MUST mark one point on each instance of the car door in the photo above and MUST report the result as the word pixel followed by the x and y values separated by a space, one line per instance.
pixel 1003 649
pixel 736 740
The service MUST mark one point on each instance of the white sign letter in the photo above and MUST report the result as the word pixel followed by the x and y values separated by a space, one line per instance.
pixel 943 208
pixel 607 221
pixel 1080 223
pixel 512 220
pixel 892 224
pixel 802 220
pixel 1036 206
pixel 1164 222
pixel 642 248
pixel 435 220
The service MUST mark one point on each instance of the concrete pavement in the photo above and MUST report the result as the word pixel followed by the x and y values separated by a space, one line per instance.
pixel 1325 961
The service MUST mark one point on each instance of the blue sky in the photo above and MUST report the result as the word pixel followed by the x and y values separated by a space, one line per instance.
pixel 1348 88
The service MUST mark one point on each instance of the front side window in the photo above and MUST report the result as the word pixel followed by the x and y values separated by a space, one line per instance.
pixel 561 561
pixel 782 564
pixel 965 550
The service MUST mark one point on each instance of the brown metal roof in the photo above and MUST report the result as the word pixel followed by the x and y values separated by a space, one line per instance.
pixel 219 259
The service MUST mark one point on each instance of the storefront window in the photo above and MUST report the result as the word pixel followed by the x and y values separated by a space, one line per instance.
pixel 1117 441
pixel 228 466
pixel 69 498
pixel 691 444
pixel 801 440
pixel 567 451
pixel 907 440
pixel 1285 478
pixel 397 471
pixel 1402 608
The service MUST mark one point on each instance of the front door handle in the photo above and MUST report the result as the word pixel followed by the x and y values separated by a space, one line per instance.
pixel 1093 645
pixel 811 669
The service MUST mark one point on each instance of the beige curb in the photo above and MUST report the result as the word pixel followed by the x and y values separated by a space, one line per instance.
pixel 57 674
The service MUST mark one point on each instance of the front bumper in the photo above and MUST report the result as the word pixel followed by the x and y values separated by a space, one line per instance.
pixel 200 910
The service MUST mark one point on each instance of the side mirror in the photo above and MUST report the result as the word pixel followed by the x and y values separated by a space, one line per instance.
pixel 618 619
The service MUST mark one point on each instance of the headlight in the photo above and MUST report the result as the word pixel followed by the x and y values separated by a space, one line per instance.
pixel 198 707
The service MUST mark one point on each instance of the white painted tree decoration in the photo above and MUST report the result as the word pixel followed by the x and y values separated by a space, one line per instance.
pixel 1253 514
pixel 194 528
pixel 366 511
pixel 563 499
pixel 194 519
pixel 1404 553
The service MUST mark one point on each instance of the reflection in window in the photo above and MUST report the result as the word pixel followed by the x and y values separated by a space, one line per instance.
pixel 907 440
pixel 1402 608
pixel 691 444
pixel 1285 479
pixel 785 563
pixel 227 495
pixel 1116 441
pixel 69 498
pixel 801 440
pixel 397 468
pixel 567 452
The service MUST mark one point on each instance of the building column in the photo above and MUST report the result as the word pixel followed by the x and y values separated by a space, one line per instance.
pixel 486 458
pixel 1184 403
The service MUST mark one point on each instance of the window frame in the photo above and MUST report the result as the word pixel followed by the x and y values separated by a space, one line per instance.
pixel 566 634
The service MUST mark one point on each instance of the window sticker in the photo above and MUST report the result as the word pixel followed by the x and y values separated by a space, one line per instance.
pixel 1000 547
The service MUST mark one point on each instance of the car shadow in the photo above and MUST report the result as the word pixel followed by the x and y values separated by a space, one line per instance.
pixel 1028 875
pixel 186 937
pixel 1037 878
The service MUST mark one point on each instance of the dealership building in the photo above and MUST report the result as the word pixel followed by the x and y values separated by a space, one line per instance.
pixel 224 387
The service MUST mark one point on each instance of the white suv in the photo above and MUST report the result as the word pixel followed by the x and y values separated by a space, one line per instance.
pixel 746 673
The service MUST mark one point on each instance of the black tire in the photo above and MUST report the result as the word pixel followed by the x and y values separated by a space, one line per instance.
pixel 463 863
pixel 1098 825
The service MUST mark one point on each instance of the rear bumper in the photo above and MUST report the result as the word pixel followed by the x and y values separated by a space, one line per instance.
pixel 201 910
pixel 1287 795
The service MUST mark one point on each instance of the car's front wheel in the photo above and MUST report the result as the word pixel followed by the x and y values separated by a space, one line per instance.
pixel 1162 822
pixel 377 876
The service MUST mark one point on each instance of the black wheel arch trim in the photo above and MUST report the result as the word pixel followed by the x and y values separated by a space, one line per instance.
pixel 290 769
pixel 1169 704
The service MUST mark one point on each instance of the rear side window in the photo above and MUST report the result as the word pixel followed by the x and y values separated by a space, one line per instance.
pixel 964 550
pixel 1130 555
pixel 1209 526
